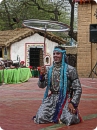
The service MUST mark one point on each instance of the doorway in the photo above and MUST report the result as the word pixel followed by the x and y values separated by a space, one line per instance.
pixel 36 57
pixel 0 52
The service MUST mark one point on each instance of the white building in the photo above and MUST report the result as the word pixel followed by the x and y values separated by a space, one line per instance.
pixel 28 45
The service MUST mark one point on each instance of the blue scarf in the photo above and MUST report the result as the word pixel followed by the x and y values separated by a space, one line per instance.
pixel 62 84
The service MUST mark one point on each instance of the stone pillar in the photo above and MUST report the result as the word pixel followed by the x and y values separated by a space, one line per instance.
pixel 84 46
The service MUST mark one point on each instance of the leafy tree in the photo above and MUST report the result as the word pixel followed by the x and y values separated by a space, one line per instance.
pixel 13 12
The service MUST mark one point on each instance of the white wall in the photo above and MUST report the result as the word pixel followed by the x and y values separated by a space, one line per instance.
pixel 18 48
pixel 49 48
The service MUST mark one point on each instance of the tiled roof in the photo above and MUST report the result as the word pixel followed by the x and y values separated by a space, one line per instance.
pixel 82 1
pixel 10 36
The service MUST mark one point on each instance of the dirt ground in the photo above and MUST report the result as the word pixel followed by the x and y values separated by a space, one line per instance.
pixel 19 103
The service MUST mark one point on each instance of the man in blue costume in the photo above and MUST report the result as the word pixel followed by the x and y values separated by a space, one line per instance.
pixel 63 92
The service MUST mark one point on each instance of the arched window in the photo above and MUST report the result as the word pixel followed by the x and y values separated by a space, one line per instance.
pixel 47 60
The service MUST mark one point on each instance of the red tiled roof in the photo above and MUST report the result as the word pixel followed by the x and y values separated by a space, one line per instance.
pixel 83 0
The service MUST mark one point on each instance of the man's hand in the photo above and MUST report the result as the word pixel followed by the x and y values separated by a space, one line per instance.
pixel 43 70
pixel 71 108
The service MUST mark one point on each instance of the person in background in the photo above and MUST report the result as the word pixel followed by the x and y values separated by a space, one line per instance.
pixel 2 65
pixel 22 64
pixel 62 94
pixel 36 72
pixel 38 68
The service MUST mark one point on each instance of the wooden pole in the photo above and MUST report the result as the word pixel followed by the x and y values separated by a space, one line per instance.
pixel 44 43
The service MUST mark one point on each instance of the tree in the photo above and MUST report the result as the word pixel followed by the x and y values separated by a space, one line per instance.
pixel 71 32
pixel 13 12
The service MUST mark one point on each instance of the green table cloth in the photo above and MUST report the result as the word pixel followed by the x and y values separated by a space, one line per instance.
pixel 35 73
pixel 12 76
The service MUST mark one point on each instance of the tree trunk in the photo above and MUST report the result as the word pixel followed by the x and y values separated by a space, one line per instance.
pixel 71 32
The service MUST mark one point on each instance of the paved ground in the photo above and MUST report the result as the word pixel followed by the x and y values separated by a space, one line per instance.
pixel 19 103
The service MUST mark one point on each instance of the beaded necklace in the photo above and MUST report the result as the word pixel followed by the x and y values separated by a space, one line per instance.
pixel 63 81
pixel 56 77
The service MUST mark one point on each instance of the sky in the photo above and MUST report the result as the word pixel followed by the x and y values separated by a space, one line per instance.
pixel 0 0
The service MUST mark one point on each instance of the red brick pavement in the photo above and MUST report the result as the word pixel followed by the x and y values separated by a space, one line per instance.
pixel 19 103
